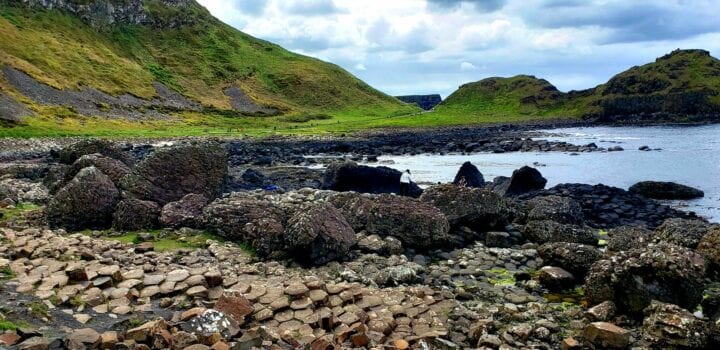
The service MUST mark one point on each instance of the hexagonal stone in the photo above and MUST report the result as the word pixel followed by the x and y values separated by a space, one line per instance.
pixel 302 303
pixel 318 295
pixel 296 289
pixel 197 291
pixel 149 292
pixel 153 280
pixel 178 275
pixel 284 316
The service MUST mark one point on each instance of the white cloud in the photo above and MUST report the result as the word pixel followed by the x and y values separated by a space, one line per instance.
pixel 414 47
pixel 467 66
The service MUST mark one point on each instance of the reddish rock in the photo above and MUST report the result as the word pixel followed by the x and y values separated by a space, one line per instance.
pixel 236 306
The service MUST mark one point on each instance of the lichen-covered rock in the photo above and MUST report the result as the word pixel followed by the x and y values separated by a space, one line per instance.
pixel 319 234
pixel 556 208
pixel 709 247
pixel 134 214
pixel 415 223
pixel 243 218
pixel 88 201
pixel 21 190
pixel 113 168
pixel 71 153
pixel 668 326
pixel 544 231
pixel 684 232
pixel 628 237
pixel 574 257
pixel 170 174
pixel 631 279
pixel 469 176
pixel 185 212
pixel 479 209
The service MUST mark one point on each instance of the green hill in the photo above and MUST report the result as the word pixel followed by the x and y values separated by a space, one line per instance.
pixel 96 66
pixel 681 86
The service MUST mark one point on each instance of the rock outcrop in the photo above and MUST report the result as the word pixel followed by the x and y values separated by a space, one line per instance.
pixel 88 201
pixel 426 102
pixel 479 209
pixel 665 190
pixel 348 176
pixel 319 234
pixel 469 175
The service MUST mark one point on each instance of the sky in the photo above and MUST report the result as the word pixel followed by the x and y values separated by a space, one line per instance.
pixel 404 47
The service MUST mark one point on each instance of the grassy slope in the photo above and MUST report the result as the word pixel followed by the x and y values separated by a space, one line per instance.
pixel 199 61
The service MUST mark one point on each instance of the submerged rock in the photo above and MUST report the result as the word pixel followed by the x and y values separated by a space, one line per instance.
pixel 170 174
pixel 665 190
pixel 88 201
pixel 664 272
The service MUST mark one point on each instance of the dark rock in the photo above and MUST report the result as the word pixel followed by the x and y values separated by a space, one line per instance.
pixel 644 148
pixel 183 213
pixel 545 231
pixel 55 177
pixel 243 218
pixel 602 312
pixel 319 234
pixel 263 161
pixel 683 232
pixel 560 209
pixel 523 180
pixel 111 167
pixel 615 149
pixel 415 223
pixel 479 209
pixel 254 178
pixel 70 154
pixel 665 272
pixel 665 190
pixel 469 176
pixel 628 237
pixel 134 214
pixel 88 201
pixel 170 174
pixel 573 257
pixel 668 326
pixel 426 102
pixel 556 279
pixel 348 176
pixel 498 239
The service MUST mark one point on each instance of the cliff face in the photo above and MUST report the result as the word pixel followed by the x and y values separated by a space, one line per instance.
pixel 426 102
pixel 98 13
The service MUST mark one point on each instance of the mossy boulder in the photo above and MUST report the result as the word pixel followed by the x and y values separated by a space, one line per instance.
pixel 172 173
pixel 319 234
pixel 86 202
pixel 134 214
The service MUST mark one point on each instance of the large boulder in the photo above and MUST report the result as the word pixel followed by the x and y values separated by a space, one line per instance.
pixel 134 214
pixel 631 279
pixel 185 212
pixel 73 152
pixel 319 234
pixel 417 224
pixel 665 190
pixel 523 180
pixel 469 175
pixel 573 257
pixel 243 218
pixel 684 232
pixel 628 237
pixel 111 167
pixel 479 209
pixel 544 231
pixel 349 176
pixel 87 201
pixel 556 208
pixel 668 326
pixel 172 173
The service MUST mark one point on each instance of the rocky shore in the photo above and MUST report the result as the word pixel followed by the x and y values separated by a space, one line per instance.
pixel 238 245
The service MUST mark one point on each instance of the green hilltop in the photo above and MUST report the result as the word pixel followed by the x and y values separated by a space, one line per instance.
pixel 681 86
pixel 180 45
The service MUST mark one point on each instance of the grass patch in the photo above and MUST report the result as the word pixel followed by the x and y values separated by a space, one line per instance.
pixel 18 210
pixel 304 117
pixel 571 297
pixel 39 309
pixel 163 240
pixel 6 325
pixel 500 277
pixel 6 273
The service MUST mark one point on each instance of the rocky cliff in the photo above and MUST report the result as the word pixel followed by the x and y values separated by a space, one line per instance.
pixel 426 102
